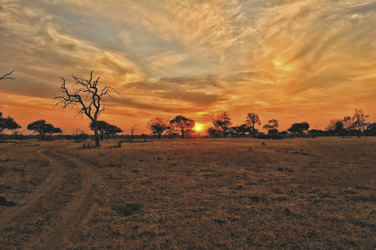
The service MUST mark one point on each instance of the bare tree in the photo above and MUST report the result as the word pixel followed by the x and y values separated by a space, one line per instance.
pixel 7 76
pixel 86 95
pixel 133 129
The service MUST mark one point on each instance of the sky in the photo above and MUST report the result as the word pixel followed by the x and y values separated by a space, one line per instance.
pixel 290 60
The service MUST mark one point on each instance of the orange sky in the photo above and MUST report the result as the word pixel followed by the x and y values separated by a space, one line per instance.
pixel 289 60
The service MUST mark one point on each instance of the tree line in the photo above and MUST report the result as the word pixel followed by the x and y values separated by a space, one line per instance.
pixel 87 96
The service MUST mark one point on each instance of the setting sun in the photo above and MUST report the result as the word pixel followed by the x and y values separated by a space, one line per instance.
pixel 198 127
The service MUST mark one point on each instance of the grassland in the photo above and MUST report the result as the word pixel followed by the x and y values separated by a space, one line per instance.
pixel 200 193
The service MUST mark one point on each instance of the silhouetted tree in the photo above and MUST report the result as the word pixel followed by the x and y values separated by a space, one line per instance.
pixel 133 129
pixel 88 97
pixel 113 130
pixel 7 76
pixel 43 128
pixel 315 132
pixel 332 124
pixel 299 128
pixel 371 129
pixel 252 120
pixel 7 123
pixel 359 120
pixel 338 128
pixel 105 128
pixel 223 121
pixel 158 125
pixel 182 124
pixel 347 122
pixel 271 126
pixel 213 132
pixel 240 131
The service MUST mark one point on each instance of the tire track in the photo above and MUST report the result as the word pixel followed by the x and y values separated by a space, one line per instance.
pixel 63 229
pixel 34 199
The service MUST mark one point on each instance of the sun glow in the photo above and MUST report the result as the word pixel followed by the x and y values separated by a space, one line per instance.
pixel 198 127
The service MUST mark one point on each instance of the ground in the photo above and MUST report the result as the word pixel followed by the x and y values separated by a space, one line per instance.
pixel 189 194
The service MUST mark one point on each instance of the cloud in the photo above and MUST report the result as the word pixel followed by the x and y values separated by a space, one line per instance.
pixel 291 56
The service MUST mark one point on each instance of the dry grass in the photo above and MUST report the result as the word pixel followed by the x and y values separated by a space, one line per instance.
pixel 229 193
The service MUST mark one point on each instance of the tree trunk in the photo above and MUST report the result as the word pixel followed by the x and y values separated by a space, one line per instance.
pixel 182 133
pixel 159 136
pixel 96 135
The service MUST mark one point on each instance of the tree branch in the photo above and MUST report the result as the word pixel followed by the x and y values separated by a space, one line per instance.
pixel 7 76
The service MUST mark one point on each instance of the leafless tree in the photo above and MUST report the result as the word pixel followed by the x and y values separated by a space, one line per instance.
pixel 7 76
pixel 133 129
pixel 87 96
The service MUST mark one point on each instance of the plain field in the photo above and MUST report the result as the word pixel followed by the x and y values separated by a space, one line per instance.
pixel 196 193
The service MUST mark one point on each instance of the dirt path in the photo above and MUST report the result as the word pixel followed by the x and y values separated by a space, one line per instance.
pixel 64 227
pixel 35 198
pixel 63 220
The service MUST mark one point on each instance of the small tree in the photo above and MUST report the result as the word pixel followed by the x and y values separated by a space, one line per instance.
pixel 251 120
pixel 299 128
pixel 113 130
pixel 43 129
pixel 271 126
pixel 87 96
pixel 158 125
pixel 7 123
pixel 360 120
pixel 223 121
pixel 105 128
pixel 182 124
pixel 7 76
pixel 133 129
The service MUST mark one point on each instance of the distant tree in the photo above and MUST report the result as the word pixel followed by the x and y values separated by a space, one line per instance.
pixel 252 119
pixel 371 129
pixel 347 122
pixel 87 96
pixel 213 132
pixel 105 128
pixel 158 125
pixel 7 76
pixel 223 121
pixel 133 129
pixel 271 126
pixel 7 123
pixel 315 132
pixel 338 128
pixel 299 128
pixel 43 129
pixel 77 135
pixel 359 120
pixel 113 130
pixel 240 131
pixel 332 124
pixel 182 124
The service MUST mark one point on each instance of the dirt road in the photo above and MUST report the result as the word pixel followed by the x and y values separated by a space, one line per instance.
pixel 62 220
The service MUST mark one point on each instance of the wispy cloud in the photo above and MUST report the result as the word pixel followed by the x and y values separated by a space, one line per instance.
pixel 168 57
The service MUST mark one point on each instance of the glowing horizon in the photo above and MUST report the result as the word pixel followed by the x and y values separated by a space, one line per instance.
pixel 294 61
